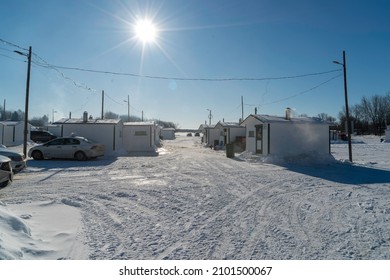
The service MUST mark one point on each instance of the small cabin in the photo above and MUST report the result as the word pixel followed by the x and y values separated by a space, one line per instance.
pixel 286 136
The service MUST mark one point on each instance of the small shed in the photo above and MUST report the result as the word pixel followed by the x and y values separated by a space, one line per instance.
pixel 387 134
pixel 104 131
pixel 229 132
pixel 168 133
pixel 139 136
pixel 12 133
pixel 286 136
pixel 210 135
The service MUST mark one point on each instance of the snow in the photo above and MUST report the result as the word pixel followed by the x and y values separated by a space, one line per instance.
pixel 192 202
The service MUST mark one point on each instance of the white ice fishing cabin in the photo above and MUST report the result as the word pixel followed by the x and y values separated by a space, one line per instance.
pixel 139 136
pixel 286 136
pixel 168 133
pixel 210 135
pixel 229 131
pixel 12 133
pixel 387 134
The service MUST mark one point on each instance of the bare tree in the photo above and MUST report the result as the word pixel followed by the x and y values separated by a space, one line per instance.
pixel 374 110
pixel 326 117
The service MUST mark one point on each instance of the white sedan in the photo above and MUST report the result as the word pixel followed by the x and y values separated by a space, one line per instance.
pixel 6 174
pixel 79 148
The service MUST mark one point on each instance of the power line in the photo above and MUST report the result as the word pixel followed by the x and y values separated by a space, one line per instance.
pixel 75 83
pixel 13 45
pixel 302 92
pixel 113 100
pixel 190 79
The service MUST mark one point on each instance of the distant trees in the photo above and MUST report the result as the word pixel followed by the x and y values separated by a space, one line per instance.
pixel 370 116
pixel 38 122
pixel 326 117
pixel 125 118
pixel 11 115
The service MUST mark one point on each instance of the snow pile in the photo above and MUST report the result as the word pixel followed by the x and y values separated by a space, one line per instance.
pixel 44 230
pixel 15 234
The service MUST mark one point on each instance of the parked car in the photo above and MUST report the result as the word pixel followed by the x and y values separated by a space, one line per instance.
pixel 6 174
pixel 41 136
pixel 79 148
pixel 189 134
pixel 18 161
pixel 197 134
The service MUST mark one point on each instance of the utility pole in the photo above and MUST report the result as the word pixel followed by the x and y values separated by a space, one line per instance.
pixel 210 116
pixel 4 111
pixel 128 108
pixel 102 104
pixel 26 105
pixel 25 131
pixel 242 108
pixel 52 116
pixel 349 132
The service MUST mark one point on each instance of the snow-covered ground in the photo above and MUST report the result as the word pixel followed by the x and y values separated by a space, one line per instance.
pixel 191 202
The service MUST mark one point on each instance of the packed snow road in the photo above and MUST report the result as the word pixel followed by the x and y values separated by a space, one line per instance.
pixel 192 202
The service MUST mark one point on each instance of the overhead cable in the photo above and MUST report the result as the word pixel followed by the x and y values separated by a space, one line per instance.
pixel 188 79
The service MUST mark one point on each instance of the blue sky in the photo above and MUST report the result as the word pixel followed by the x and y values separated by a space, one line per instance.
pixel 197 41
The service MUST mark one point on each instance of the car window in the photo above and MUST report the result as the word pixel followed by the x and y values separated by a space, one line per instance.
pixel 72 141
pixel 56 142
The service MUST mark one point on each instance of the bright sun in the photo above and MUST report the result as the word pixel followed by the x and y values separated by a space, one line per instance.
pixel 145 31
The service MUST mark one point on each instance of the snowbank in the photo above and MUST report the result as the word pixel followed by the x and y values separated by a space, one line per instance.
pixel 41 230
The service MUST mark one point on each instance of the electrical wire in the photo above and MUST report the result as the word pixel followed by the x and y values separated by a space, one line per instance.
pixel 113 100
pixel 189 79
pixel 302 92
pixel 13 45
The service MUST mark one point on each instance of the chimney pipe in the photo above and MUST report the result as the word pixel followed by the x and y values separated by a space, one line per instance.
pixel 85 117
pixel 288 112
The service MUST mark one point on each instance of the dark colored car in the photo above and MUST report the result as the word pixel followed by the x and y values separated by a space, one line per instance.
pixel 41 136
pixel 6 174
pixel 18 162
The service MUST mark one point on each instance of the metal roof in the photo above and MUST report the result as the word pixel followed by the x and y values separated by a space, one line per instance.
pixel 278 119
pixel 93 121
pixel 230 124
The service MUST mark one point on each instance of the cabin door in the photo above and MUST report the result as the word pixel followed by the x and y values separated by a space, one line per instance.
pixel 259 139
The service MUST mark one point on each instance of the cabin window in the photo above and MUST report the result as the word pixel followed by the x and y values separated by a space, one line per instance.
pixel 140 133
pixel 251 133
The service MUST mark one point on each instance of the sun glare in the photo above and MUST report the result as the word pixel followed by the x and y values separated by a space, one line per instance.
pixel 145 31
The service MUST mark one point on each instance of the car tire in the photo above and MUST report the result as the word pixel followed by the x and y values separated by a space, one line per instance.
pixel 80 156
pixel 37 155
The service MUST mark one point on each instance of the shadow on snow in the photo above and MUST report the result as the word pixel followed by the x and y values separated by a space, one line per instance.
pixel 344 173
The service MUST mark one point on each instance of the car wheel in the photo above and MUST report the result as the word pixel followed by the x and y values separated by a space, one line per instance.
pixel 80 156
pixel 37 155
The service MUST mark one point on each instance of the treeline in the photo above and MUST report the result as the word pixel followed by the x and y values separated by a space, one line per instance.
pixel 11 115
pixel 125 118
pixel 370 116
